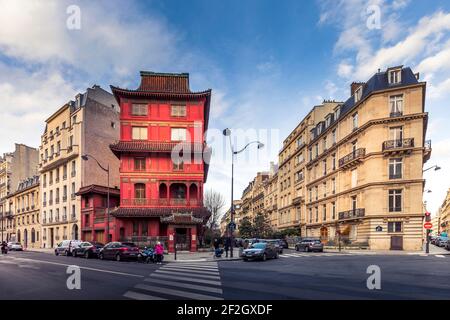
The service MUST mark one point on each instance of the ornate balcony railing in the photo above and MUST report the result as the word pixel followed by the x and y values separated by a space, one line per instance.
pixel 297 200
pixel 398 144
pixel 396 114
pixel 161 202
pixel 352 157
pixel 352 214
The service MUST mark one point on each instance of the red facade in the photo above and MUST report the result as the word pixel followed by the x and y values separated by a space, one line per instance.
pixel 162 168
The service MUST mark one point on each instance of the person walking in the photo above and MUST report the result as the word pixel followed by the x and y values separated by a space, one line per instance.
pixel 227 246
pixel 159 250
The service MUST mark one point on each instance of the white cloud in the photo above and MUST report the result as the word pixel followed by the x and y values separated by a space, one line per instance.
pixel 345 69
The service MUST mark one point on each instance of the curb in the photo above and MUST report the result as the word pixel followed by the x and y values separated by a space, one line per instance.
pixel 202 260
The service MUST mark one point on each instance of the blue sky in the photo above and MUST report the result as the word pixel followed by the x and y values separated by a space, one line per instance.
pixel 268 63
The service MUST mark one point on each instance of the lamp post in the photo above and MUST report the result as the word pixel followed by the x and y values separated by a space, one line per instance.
pixel 227 133
pixel 86 157
pixel 436 168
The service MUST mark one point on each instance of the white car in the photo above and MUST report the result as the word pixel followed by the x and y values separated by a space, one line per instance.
pixel 14 246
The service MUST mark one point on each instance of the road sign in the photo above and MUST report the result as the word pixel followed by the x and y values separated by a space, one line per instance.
pixel 428 225
pixel 232 226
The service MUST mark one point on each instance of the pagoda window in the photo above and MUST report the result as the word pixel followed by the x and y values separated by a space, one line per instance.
pixel 178 134
pixel 139 164
pixel 178 191
pixel 178 111
pixel 139 133
pixel 139 191
pixel 139 109
pixel 178 165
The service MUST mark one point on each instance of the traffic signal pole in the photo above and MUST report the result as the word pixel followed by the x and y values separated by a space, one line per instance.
pixel 427 247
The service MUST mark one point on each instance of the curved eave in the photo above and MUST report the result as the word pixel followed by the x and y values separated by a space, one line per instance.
pixel 122 93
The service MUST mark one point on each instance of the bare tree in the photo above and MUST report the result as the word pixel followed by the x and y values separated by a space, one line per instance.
pixel 214 202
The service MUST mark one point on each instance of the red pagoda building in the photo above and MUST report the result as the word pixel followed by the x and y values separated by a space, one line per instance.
pixel 162 155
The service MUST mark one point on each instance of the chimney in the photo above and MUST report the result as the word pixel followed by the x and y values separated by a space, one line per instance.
pixel 354 86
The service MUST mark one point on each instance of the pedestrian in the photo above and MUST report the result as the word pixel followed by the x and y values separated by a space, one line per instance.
pixel 227 246
pixel 159 250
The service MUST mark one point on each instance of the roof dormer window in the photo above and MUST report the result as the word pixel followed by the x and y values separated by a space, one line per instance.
pixel 395 76
pixel 337 112
pixel 328 121
pixel 358 94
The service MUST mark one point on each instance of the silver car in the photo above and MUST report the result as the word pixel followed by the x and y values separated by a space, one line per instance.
pixel 14 246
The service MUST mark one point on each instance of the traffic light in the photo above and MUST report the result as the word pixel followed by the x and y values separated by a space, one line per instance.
pixel 427 216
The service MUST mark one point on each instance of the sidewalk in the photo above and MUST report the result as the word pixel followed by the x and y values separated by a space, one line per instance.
pixel 185 256
pixel 434 250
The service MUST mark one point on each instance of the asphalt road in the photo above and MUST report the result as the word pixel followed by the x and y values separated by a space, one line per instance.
pixel 28 275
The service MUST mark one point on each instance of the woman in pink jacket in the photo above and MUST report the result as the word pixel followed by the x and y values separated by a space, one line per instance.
pixel 159 250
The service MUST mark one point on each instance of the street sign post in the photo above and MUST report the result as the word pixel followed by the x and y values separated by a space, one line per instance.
pixel 428 225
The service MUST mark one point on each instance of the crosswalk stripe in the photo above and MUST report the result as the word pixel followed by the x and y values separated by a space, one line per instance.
pixel 189 279
pixel 185 285
pixel 211 273
pixel 173 292
pixel 140 296
pixel 440 256
pixel 190 275
pixel 190 268
pixel 194 265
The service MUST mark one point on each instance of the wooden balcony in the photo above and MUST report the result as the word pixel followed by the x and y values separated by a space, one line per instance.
pixel 353 158
pixel 353 214
pixel 400 146
pixel 160 203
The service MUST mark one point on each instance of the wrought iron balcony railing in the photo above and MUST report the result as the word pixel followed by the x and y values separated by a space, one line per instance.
pixel 352 214
pixel 398 144
pixel 352 156
pixel 396 114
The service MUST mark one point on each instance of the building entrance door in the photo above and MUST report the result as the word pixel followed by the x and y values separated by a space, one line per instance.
pixel 52 244
pixel 183 237
pixel 324 233
pixel 396 242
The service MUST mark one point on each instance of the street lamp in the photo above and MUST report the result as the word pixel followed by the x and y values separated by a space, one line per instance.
pixel 86 157
pixel 227 133
pixel 436 168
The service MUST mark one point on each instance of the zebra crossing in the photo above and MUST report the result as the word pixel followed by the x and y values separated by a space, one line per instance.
pixel 183 280
pixel 322 254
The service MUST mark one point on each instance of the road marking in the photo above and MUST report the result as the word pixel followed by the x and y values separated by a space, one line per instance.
pixel 185 285
pixel 81 267
pixel 197 265
pixel 190 275
pixel 440 256
pixel 141 296
pixel 173 292
pixel 210 273
pixel 172 277
pixel 191 268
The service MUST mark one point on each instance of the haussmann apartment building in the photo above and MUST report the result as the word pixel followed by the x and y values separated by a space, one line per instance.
pixel 87 125
pixel 353 170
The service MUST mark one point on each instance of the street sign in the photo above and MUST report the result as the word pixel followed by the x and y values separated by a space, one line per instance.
pixel 428 225
pixel 232 226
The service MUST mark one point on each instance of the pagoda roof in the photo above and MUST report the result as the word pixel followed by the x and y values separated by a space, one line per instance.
pixel 199 213
pixel 94 188
pixel 155 146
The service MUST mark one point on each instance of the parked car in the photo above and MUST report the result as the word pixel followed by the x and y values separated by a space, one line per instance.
pixel 87 249
pixel 447 245
pixel 309 245
pixel 274 242
pixel 435 240
pixel 442 241
pixel 119 251
pixel 284 244
pixel 66 247
pixel 432 239
pixel 260 251
pixel 14 246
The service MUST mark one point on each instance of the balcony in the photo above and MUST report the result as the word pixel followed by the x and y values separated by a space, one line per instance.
pixel 73 196
pixel 64 176
pixel 353 214
pixel 73 174
pixel 161 202
pixel 57 200
pixel 64 218
pixel 427 150
pixel 44 204
pixel 396 114
pixel 352 159
pixel 73 217
pixel 399 146
pixel 64 198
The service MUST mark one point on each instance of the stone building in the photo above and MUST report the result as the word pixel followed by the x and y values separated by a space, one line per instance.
pixel 87 125
pixel 14 167
pixel 24 204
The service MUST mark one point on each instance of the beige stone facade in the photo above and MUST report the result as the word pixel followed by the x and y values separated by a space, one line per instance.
pixel 87 125
pixel 25 207
pixel 14 167
pixel 353 169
